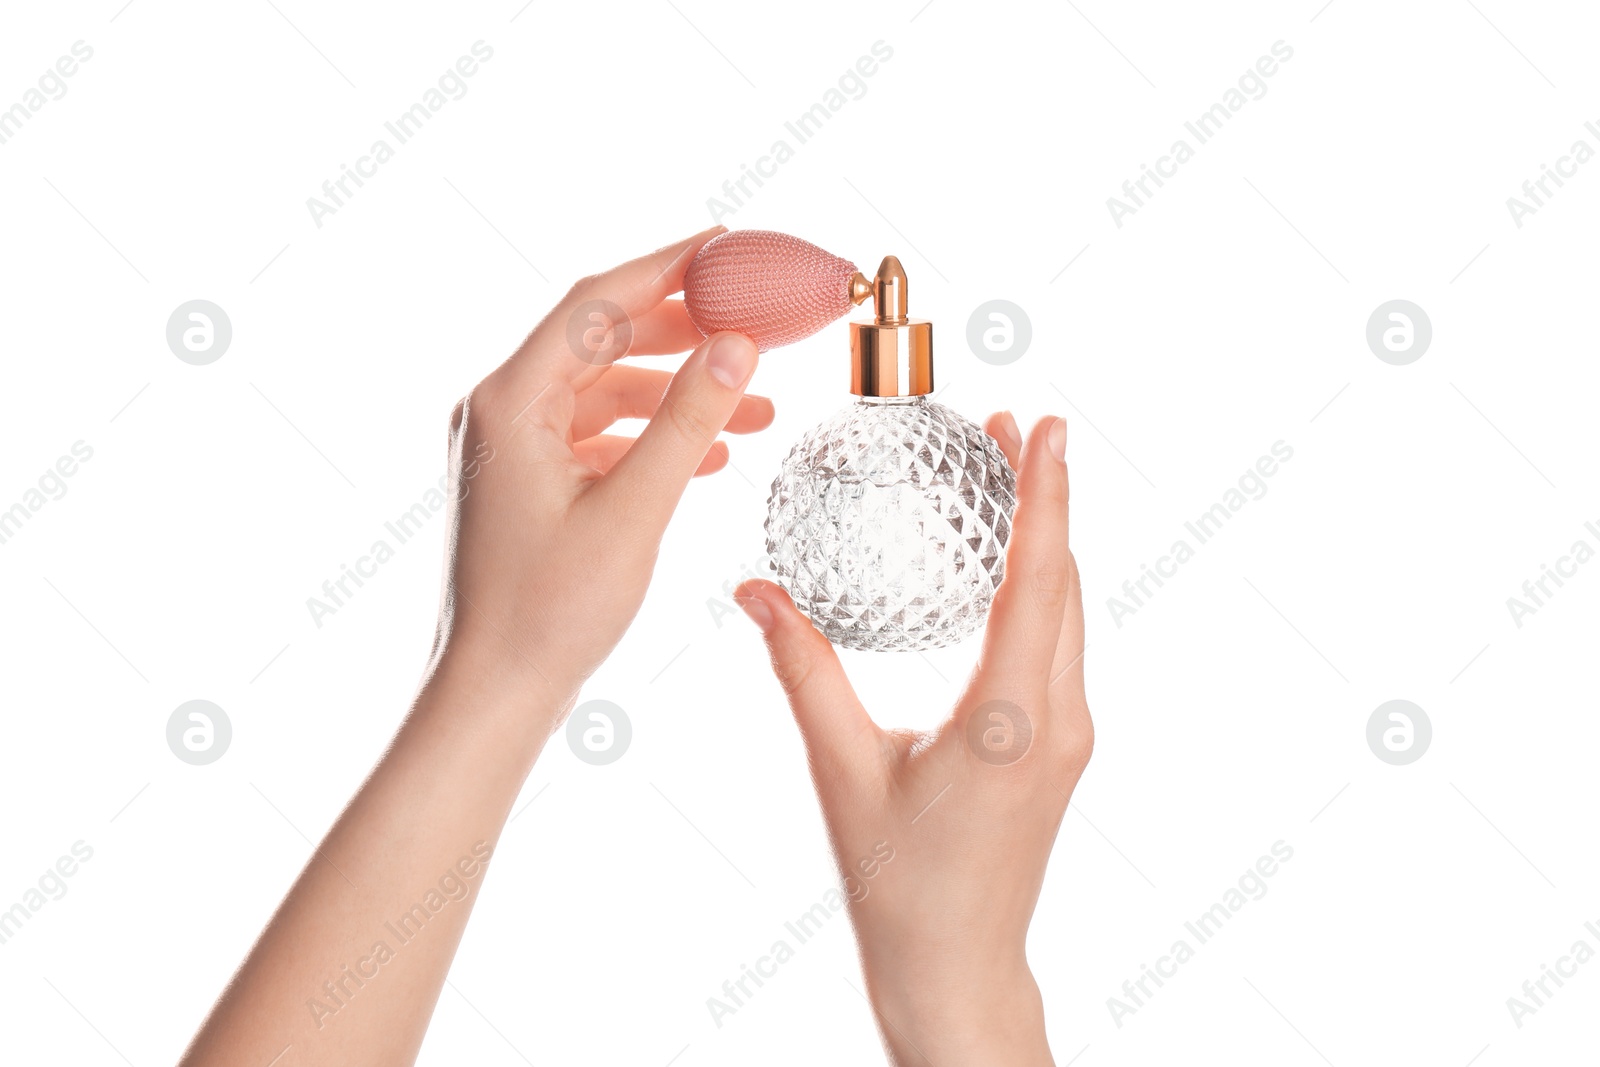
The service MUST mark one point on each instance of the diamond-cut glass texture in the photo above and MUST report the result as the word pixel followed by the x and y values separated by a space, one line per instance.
pixel 888 525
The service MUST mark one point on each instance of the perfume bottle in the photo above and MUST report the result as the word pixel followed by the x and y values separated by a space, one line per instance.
pixel 888 523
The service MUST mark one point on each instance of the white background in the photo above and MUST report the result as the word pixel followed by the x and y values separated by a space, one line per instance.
pixel 1229 313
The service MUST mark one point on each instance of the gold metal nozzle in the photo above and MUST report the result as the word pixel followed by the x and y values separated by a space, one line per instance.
pixel 893 354
pixel 860 288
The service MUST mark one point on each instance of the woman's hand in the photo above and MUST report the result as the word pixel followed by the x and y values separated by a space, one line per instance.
pixel 969 813
pixel 553 535
pixel 557 523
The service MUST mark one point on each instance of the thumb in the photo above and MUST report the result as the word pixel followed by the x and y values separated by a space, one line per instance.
pixel 650 477
pixel 840 736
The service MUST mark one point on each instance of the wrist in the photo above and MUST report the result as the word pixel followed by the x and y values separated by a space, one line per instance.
pixel 990 1019
pixel 508 702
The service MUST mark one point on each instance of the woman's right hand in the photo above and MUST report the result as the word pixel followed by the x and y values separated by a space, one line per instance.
pixel 943 838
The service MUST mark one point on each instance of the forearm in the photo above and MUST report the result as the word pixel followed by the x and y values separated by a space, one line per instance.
pixel 349 969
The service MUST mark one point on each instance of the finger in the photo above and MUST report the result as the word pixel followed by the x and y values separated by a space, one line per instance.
pixel 1025 621
pixel 1066 669
pixel 595 322
pixel 602 454
pixel 1002 426
pixel 664 329
pixel 649 479
pixel 841 739
pixel 635 393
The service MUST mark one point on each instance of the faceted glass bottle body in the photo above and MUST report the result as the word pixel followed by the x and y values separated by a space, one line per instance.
pixel 888 524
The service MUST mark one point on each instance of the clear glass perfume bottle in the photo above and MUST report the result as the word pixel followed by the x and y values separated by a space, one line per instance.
pixel 888 523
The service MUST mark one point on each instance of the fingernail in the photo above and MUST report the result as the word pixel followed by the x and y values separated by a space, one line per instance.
pixel 1013 435
pixel 1058 440
pixel 758 611
pixel 731 359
